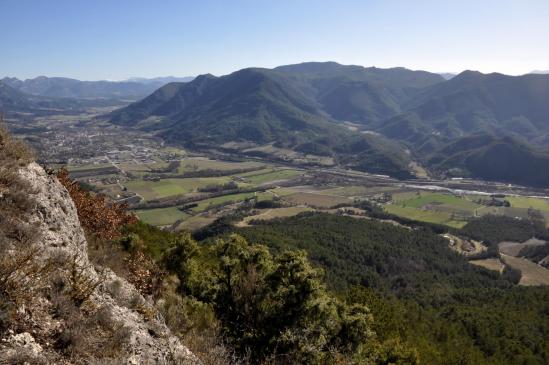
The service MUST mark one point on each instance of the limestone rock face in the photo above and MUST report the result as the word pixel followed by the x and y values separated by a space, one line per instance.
pixel 147 338
pixel 55 214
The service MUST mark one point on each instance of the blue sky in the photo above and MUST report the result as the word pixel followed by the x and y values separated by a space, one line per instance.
pixel 117 39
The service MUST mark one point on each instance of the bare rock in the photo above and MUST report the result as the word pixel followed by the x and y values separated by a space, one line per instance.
pixel 149 341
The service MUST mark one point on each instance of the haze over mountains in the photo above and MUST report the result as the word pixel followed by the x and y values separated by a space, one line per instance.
pixel 15 101
pixel 61 87
pixel 490 126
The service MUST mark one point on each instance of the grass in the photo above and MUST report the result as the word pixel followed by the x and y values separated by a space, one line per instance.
pixel 424 215
pixel 142 167
pixel 317 200
pixel 161 216
pixel 441 208
pixel 506 211
pixel 514 248
pixel 261 177
pixel 425 198
pixel 200 164
pixel 168 187
pixel 490 264
pixel 196 222
pixel 268 214
pixel 203 204
pixel 532 274
pixel 283 191
pixel 526 202
pixel 265 170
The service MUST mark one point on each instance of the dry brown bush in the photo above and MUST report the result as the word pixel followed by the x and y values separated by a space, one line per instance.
pixel 98 216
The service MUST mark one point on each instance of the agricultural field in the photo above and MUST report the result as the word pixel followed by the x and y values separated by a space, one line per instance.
pixel 532 274
pixel 424 215
pixel 423 199
pixel 161 216
pixel 195 222
pixel 514 248
pixel 447 209
pixel 520 207
pixel 268 214
pixel 142 168
pixel 527 202
pixel 201 164
pixel 421 205
pixel 150 190
pixel 224 199
pixel 317 200
pixel 269 175
pixel 282 191
pixel 490 264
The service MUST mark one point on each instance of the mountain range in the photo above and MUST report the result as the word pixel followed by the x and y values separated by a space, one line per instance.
pixel 61 87
pixel 15 101
pixel 489 126
pixel 296 107
pixel 373 119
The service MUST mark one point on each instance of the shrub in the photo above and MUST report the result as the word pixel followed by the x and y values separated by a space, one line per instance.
pixel 98 216
pixel 275 307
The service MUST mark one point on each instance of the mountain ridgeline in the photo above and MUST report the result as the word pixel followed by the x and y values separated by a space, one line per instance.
pixel 62 87
pixel 372 119
pixel 14 101
pixel 488 126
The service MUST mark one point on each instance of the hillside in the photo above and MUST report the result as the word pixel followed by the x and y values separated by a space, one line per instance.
pixel 58 306
pixel 351 93
pixel 304 108
pixel 10 98
pixel 473 102
pixel 359 94
pixel 260 106
pixel 494 158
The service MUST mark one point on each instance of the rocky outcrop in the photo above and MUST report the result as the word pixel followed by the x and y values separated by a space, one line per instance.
pixel 138 330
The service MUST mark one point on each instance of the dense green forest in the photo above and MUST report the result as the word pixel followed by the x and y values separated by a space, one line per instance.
pixel 493 229
pixel 422 295
pixel 270 308
pixel 372 254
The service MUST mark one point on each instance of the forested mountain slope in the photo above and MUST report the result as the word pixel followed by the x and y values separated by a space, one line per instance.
pixel 307 107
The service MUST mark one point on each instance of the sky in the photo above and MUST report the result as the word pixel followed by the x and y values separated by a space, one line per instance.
pixel 118 39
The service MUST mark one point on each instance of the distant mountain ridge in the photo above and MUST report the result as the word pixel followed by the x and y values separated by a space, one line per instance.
pixel 14 101
pixel 62 87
